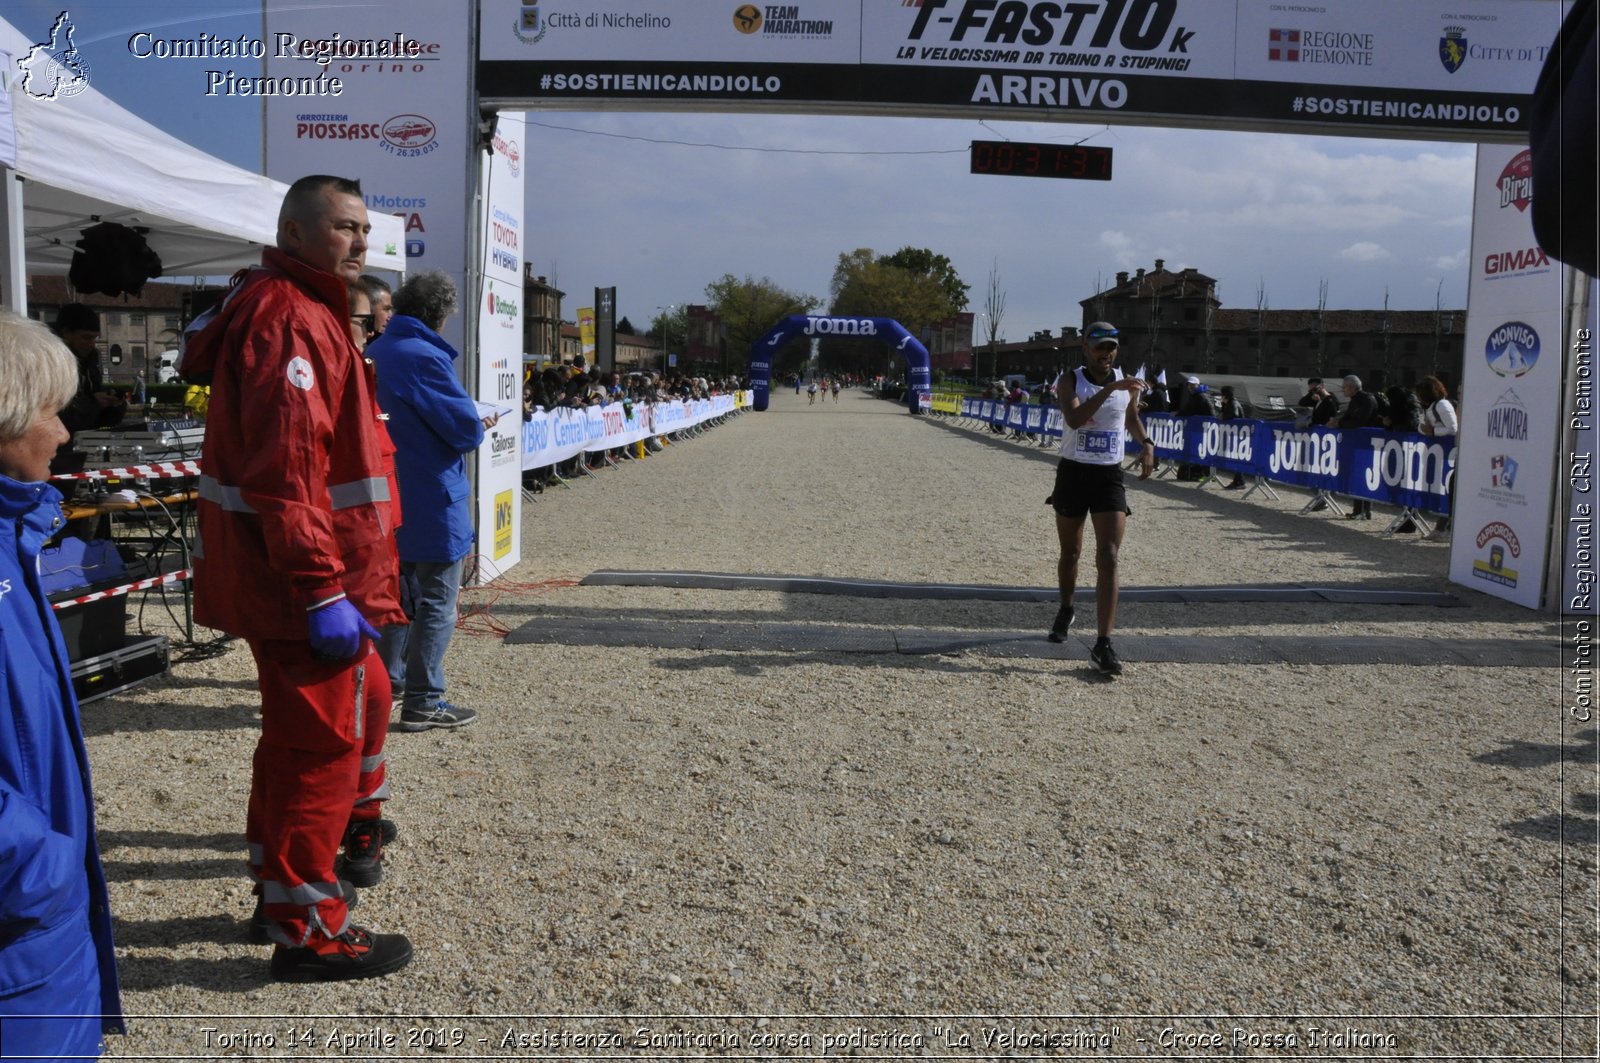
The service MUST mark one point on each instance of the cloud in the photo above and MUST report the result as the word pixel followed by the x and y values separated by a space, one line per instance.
pixel 1449 263
pixel 1365 251
pixel 1120 244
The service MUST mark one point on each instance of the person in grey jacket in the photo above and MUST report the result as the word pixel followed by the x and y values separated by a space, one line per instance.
pixel 434 423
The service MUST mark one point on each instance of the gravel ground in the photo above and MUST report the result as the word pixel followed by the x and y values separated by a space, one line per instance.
pixel 894 856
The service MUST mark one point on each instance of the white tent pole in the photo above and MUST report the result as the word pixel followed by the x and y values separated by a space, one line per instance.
pixel 14 274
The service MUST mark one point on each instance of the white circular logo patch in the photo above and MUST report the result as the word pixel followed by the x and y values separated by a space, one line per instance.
pixel 300 374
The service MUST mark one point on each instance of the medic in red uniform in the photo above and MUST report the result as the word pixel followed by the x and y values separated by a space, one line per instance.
pixel 296 555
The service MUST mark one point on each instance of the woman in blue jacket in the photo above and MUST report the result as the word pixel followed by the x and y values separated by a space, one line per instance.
pixel 58 974
pixel 433 422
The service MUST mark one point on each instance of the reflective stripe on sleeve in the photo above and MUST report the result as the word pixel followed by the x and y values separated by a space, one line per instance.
pixel 230 499
pixel 359 492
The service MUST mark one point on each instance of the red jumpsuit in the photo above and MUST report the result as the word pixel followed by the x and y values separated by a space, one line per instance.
pixel 296 507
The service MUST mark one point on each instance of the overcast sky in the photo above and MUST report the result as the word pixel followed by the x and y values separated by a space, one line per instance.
pixel 645 204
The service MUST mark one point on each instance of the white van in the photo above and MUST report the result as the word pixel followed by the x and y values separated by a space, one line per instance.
pixel 167 367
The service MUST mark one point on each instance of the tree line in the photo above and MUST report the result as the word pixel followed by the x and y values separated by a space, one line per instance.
pixel 914 285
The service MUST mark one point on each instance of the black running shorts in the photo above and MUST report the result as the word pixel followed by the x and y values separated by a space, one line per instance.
pixel 1082 489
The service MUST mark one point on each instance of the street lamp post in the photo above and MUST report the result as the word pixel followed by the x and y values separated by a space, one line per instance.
pixel 981 316
pixel 666 324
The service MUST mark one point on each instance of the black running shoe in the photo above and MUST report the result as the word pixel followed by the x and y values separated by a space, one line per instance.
pixel 1062 624
pixel 362 862
pixel 356 953
pixel 260 926
pixel 1105 658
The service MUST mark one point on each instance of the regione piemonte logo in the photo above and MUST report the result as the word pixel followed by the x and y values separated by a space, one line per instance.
pixel 1283 46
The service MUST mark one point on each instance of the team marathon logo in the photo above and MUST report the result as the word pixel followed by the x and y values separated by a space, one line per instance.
pixel 1512 349
pixel 1515 183
pixel 1453 48
pixel 779 20
pixel 1325 47
pixel 53 69
pixel 1499 538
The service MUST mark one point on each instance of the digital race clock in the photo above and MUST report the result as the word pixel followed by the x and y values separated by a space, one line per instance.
pixel 1015 159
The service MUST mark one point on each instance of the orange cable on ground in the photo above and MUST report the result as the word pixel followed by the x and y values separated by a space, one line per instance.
pixel 479 618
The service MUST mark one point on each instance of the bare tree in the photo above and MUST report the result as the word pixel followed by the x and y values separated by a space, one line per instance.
pixel 994 311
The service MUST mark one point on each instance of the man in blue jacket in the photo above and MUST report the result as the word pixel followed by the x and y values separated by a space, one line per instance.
pixel 58 974
pixel 433 423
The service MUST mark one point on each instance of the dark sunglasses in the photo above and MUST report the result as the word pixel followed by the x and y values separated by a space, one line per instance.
pixel 369 322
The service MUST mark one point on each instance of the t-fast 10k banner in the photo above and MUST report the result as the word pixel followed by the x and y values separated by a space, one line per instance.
pixel 1511 378
pixel 402 121
pixel 1434 69
pixel 499 300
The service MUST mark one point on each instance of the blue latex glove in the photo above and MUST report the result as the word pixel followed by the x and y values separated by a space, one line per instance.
pixel 336 631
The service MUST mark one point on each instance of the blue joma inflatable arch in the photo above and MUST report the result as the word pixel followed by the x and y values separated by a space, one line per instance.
pixel 885 330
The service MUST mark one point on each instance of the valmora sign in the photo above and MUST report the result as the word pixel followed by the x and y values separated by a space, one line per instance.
pixel 1425 69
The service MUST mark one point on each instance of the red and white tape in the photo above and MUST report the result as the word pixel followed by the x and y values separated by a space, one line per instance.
pixel 161 470
pixel 138 585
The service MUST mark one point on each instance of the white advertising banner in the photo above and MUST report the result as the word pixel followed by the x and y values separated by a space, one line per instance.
pixel 552 436
pixel 389 103
pixel 1438 69
pixel 498 288
pixel 1506 468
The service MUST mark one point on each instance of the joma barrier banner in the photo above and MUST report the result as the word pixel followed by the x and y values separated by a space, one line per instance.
pixel 1401 469
pixel 1437 69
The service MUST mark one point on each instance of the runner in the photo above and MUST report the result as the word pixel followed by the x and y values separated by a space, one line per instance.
pixel 1098 410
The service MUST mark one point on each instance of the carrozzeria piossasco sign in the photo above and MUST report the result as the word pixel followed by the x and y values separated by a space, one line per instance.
pixel 1445 69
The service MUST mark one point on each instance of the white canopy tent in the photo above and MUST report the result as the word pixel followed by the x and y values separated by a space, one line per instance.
pixel 68 162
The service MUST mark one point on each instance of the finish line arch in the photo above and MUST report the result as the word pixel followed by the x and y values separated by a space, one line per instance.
pixel 885 330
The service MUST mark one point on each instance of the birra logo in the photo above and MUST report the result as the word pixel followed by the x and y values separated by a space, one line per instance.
pixel 1515 183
